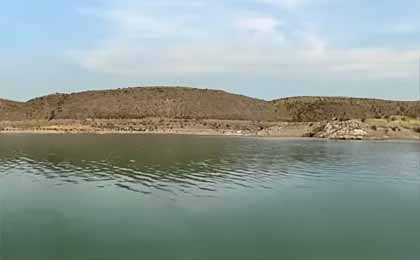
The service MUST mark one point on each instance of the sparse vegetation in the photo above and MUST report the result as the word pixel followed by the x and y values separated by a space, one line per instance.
pixel 309 109
pixel 137 103
pixel 188 103
pixel 407 123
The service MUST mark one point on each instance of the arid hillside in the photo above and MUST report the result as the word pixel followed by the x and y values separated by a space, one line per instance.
pixel 190 103
pixel 310 109
pixel 10 109
pixel 136 103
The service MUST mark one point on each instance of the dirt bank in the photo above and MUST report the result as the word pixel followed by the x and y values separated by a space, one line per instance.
pixel 352 129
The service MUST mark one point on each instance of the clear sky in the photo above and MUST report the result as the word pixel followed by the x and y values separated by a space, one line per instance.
pixel 262 48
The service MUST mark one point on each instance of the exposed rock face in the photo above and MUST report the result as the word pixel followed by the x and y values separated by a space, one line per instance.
pixel 344 130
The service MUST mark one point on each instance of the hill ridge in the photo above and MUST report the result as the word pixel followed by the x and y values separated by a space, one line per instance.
pixel 197 103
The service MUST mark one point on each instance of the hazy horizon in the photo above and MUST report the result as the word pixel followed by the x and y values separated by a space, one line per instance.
pixel 266 49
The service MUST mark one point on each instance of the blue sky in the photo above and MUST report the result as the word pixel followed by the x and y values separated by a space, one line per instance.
pixel 262 48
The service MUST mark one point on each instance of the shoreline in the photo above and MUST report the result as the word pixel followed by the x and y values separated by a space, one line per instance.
pixel 370 130
pixel 57 133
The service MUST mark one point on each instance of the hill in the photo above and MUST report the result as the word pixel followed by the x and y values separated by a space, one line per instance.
pixel 10 109
pixel 137 103
pixel 306 109
pixel 191 103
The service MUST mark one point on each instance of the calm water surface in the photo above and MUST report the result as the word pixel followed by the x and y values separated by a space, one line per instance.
pixel 186 197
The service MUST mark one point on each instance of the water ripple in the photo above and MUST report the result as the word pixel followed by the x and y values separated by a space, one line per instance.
pixel 227 165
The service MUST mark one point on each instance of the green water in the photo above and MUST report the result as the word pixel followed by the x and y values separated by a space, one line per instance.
pixel 181 197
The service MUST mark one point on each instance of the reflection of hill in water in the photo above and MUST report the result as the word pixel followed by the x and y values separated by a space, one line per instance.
pixel 188 163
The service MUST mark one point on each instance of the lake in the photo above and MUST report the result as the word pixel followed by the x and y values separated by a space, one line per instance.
pixel 196 197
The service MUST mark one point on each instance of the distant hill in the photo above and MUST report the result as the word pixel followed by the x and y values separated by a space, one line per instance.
pixel 191 103
pixel 134 103
pixel 10 109
pixel 325 108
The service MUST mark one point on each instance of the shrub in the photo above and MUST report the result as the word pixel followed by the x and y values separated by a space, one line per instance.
pixel 343 119
pixel 417 130
pixel 374 128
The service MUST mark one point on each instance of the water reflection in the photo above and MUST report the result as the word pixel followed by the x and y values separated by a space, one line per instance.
pixel 197 165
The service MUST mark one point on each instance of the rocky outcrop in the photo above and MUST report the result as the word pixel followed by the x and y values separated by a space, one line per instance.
pixel 344 130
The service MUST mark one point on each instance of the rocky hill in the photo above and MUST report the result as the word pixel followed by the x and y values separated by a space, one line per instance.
pixel 190 103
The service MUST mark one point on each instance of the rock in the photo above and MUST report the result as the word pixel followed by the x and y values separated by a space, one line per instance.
pixel 345 130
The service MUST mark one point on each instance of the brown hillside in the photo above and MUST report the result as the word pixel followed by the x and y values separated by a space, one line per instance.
pixel 134 103
pixel 10 109
pixel 190 103
pixel 325 108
